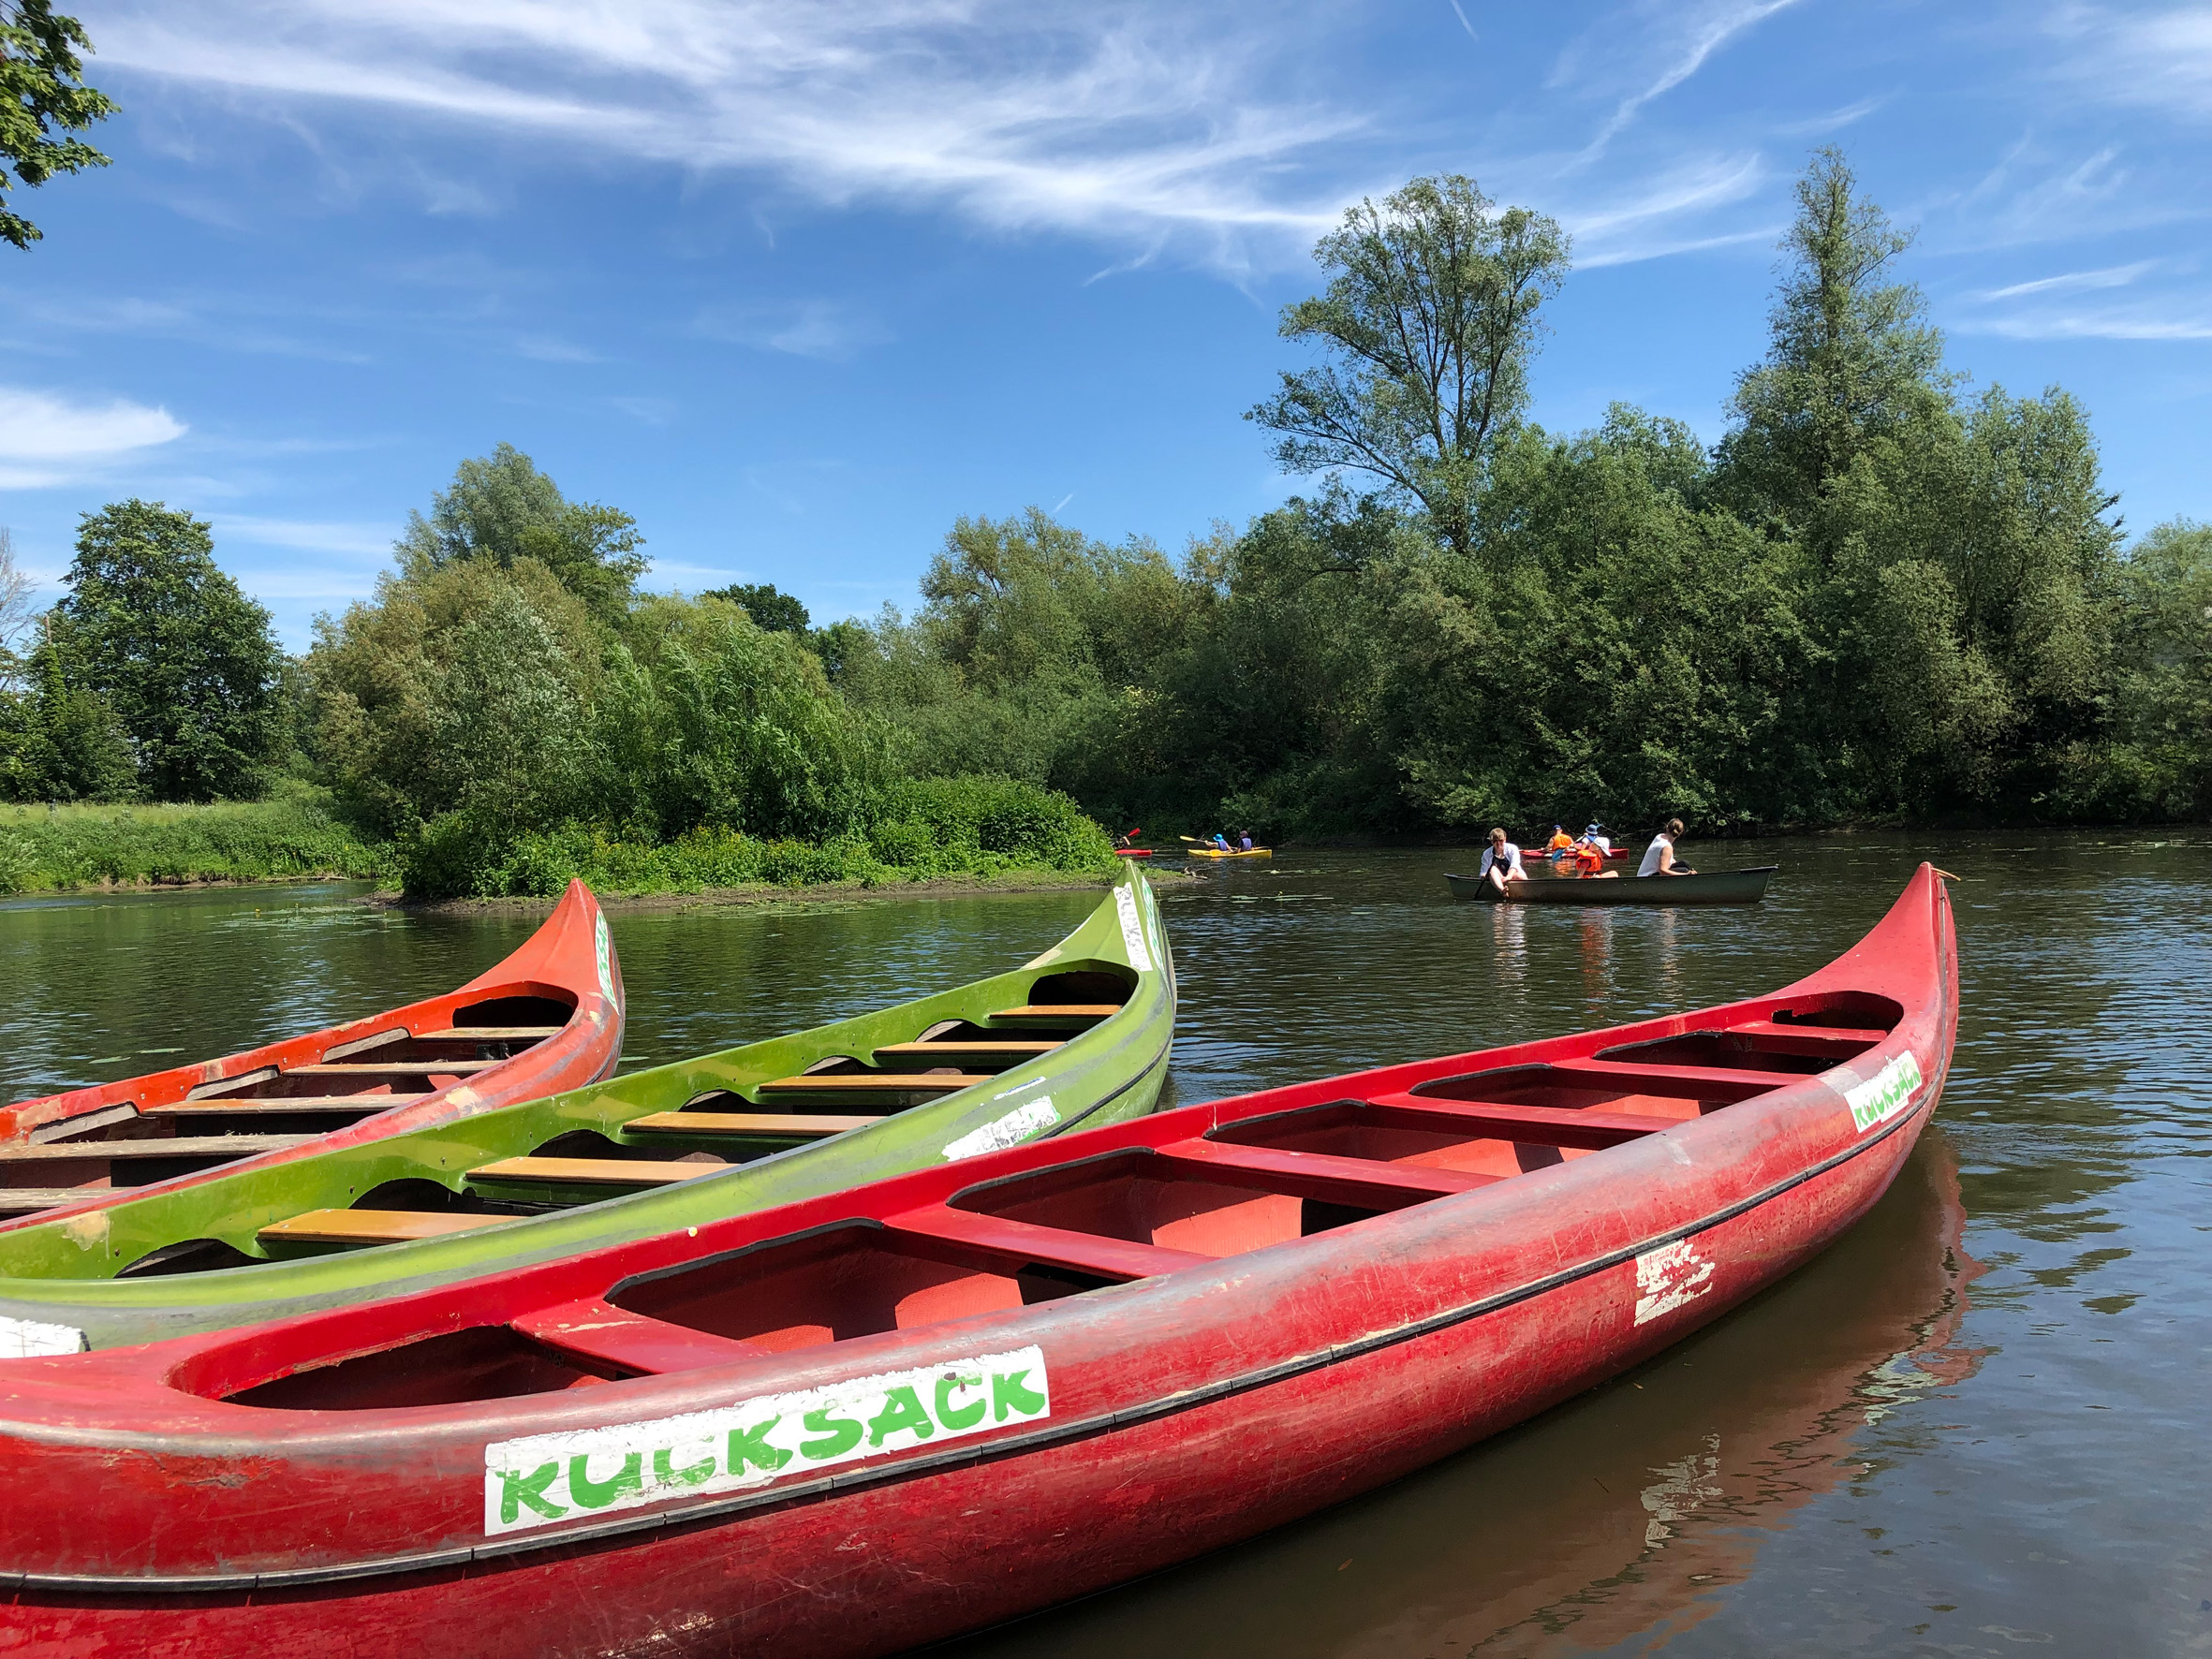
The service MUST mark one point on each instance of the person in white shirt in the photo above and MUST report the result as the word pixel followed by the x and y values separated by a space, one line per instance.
pixel 1658 858
pixel 1501 862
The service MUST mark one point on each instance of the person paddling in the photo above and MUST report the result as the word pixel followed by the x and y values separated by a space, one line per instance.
pixel 1501 862
pixel 1560 846
pixel 1658 858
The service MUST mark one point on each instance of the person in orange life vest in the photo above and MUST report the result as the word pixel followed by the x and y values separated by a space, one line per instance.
pixel 1560 846
pixel 1589 857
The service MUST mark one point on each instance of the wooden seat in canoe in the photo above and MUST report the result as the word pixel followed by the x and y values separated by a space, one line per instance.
pixel 962 1054
pixel 489 1033
pixel 276 1105
pixel 350 1069
pixel 1060 1013
pixel 878 1082
pixel 29 1200
pixel 800 1126
pixel 371 1226
pixel 173 1146
pixel 633 1172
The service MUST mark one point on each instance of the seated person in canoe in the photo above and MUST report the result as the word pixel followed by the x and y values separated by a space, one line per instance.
pixel 1562 846
pixel 1658 858
pixel 1501 862
pixel 1589 857
pixel 1243 841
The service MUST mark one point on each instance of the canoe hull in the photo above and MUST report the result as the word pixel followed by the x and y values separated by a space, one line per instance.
pixel 1233 1397
pixel 1732 886
pixel 1258 852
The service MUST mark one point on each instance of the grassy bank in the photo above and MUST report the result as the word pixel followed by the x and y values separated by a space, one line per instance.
pixel 920 830
pixel 60 848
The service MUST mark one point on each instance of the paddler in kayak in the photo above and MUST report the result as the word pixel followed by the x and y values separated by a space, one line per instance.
pixel 1658 858
pixel 1562 846
pixel 1590 855
pixel 1501 862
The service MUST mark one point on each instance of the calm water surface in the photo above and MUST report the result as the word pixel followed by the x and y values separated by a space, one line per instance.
pixel 1982 1421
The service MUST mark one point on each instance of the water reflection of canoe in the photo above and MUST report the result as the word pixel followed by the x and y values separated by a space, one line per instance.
pixel 1081 1032
pixel 958 1395
pixel 547 1018
pixel 1730 886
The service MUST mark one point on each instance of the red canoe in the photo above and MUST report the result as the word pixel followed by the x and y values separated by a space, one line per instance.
pixel 547 1018
pixel 876 1418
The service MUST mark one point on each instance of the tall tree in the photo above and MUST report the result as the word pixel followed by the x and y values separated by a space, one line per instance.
pixel 1430 318
pixel 164 638
pixel 40 93
pixel 15 612
pixel 777 612
pixel 1851 356
pixel 501 507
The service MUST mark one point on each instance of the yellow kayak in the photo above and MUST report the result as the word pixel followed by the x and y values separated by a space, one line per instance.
pixel 1215 852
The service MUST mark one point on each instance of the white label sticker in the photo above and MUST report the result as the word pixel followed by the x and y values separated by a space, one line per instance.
pixel 1668 1277
pixel 1886 1093
pixel 28 1339
pixel 1012 1130
pixel 605 959
pixel 1132 931
pixel 544 1478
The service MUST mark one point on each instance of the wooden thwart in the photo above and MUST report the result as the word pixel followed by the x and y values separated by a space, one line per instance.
pixel 29 1200
pixel 1085 1011
pixel 746 1122
pixel 279 1106
pixel 961 1053
pixel 176 1146
pixel 503 1033
pixel 372 1226
pixel 389 1068
pixel 591 1173
pixel 878 1082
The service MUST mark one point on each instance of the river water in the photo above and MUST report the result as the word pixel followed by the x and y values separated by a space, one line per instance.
pixel 1982 1421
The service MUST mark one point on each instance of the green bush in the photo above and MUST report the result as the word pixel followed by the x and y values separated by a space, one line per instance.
pixel 44 848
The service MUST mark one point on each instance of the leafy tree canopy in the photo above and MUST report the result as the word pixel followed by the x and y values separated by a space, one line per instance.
pixel 502 508
pixel 1429 320
pixel 1851 358
pixel 778 612
pixel 186 662
pixel 41 94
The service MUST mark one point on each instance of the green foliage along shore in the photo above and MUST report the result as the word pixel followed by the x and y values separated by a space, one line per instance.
pixel 49 848
pixel 1883 596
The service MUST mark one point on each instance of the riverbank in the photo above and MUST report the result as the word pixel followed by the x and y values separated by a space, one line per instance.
pixel 67 849
pixel 759 893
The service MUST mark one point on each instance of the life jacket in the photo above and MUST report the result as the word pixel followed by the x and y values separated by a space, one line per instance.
pixel 1589 857
pixel 1559 842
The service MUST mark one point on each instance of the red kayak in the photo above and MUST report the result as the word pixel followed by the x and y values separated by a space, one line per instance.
pixel 547 1018
pixel 874 1419
pixel 1133 852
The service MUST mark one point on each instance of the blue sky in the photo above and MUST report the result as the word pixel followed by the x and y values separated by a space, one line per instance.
pixel 798 283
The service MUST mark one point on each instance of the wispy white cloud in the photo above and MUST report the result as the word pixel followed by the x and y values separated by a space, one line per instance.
pixel 2149 320
pixel 1651 49
pixel 546 348
pixel 1019 114
pixel 821 329
pixel 1814 127
pixel 2160 58
pixel 367 541
pixel 1667 215
pixel 2109 276
pixel 47 439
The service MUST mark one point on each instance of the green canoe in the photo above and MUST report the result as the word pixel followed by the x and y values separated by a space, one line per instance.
pixel 1079 1036
pixel 1725 886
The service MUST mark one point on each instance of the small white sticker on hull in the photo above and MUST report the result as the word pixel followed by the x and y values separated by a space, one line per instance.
pixel 1668 1277
pixel 1132 931
pixel 30 1338
pixel 606 953
pixel 541 1479
pixel 1884 1095
pixel 1012 1130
